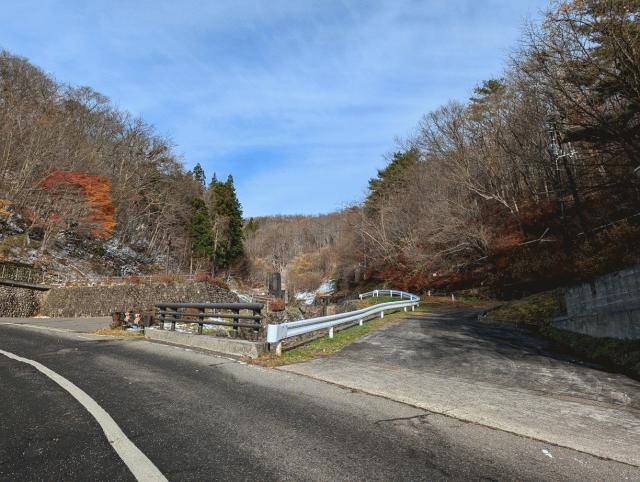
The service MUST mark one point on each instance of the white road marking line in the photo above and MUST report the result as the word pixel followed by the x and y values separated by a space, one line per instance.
pixel 140 466
pixel 61 330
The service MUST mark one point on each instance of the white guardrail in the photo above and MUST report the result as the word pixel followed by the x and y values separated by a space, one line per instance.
pixel 277 333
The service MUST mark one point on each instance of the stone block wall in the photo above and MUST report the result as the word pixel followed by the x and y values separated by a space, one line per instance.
pixel 18 302
pixel 103 300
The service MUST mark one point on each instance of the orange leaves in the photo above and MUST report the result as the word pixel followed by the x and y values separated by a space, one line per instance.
pixel 95 193
pixel 4 203
pixel 276 305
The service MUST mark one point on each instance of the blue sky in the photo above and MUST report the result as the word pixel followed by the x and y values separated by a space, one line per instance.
pixel 299 100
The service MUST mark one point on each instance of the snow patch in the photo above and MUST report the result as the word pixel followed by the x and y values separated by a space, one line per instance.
pixel 309 297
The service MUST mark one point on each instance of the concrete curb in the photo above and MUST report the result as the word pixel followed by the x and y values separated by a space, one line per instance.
pixel 227 346
pixel 600 431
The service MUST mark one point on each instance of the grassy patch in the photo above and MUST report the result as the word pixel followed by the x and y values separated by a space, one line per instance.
pixel 533 311
pixel 374 300
pixel 118 332
pixel 617 355
pixel 536 311
pixel 326 346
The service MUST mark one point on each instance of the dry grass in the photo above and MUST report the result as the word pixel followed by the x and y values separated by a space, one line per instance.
pixel 118 332
pixel 533 311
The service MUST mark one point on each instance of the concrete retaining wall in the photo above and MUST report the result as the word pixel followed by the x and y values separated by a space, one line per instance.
pixel 228 346
pixel 609 306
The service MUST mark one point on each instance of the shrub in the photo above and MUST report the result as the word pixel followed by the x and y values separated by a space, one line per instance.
pixel 276 305
pixel 134 280
pixel 212 280
pixel 168 278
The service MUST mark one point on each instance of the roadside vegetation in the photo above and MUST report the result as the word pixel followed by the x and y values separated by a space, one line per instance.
pixel 119 331
pixel 535 312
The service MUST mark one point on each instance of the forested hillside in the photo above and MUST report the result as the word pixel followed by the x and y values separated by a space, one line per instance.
pixel 533 182
pixel 85 184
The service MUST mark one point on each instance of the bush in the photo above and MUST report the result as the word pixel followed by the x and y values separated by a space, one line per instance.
pixel 168 278
pixel 276 305
pixel 212 280
pixel 134 280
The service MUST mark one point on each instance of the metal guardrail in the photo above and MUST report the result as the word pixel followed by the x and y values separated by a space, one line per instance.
pixel 277 333
pixel 202 314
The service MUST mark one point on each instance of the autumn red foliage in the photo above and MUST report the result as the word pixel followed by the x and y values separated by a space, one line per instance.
pixel 96 191
pixel 212 280
pixel 276 305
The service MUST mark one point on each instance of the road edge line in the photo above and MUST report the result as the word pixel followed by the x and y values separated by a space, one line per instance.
pixel 142 468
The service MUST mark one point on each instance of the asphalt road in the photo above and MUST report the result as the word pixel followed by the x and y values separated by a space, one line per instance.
pixel 499 376
pixel 201 417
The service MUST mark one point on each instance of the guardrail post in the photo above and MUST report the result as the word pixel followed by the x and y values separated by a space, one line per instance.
pixel 405 309
pixel 360 322
pixel 174 318
pixel 258 322
pixel 160 317
pixel 279 349
pixel 413 307
pixel 382 314
pixel 331 332
pixel 200 320
pixel 236 320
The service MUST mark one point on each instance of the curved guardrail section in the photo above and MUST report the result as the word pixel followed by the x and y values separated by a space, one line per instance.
pixel 277 333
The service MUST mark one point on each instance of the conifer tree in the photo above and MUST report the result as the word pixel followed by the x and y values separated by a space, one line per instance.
pixel 201 232
pixel 199 175
pixel 226 220
pixel 235 221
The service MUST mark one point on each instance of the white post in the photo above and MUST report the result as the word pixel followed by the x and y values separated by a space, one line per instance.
pixel 382 314
pixel 405 309
pixel 360 322
pixel 453 298
pixel 429 293
pixel 413 307
pixel 279 349
pixel 331 332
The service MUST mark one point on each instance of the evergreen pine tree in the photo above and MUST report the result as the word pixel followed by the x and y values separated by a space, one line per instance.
pixel 199 175
pixel 236 236
pixel 201 232
pixel 226 219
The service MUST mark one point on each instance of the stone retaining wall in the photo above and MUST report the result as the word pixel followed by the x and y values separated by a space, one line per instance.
pixel 103 300
pixel 18 302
